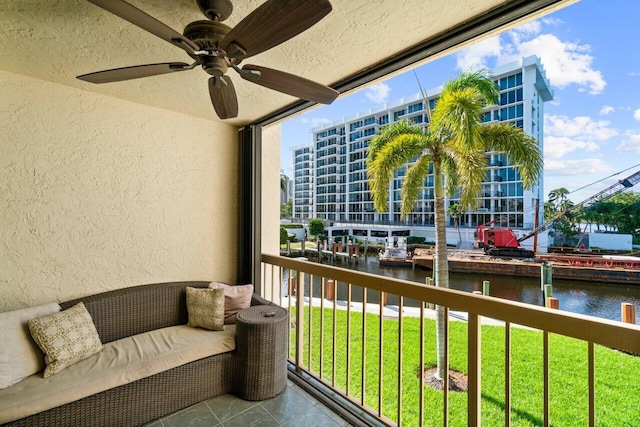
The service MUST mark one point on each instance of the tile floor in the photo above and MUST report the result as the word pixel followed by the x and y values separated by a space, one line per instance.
pixel 293 407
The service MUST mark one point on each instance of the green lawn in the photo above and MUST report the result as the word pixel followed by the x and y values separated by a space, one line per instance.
pixel 617 388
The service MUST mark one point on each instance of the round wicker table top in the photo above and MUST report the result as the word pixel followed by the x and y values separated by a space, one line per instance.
pixel 262 314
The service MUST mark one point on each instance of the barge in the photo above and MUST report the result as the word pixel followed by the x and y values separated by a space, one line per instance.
pixel 582 268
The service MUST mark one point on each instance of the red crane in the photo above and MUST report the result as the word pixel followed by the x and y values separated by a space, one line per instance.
pixel 502 242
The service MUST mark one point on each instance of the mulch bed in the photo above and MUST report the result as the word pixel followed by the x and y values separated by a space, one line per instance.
pixel 457 380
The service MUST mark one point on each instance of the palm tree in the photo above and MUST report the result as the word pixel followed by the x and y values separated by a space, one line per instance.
pixel 455 212
pixel 284 180
pixel 455 142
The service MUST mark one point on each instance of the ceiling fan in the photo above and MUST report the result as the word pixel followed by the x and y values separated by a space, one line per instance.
pixel 217 47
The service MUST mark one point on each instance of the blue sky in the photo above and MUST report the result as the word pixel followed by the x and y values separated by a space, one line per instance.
pixel 592 127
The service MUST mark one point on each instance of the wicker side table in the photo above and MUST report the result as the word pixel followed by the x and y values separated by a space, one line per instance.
pixel 262 333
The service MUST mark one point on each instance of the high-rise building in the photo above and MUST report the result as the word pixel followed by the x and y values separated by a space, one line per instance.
pixel 303 175
pixel 341 191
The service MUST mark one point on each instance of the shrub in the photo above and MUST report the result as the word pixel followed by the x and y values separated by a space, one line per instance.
pixel 284 235
pixel 415 240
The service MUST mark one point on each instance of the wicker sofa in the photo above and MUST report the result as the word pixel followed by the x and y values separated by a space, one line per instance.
pixel 135 310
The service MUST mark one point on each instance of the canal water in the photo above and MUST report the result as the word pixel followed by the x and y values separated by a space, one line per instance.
pixel 590 298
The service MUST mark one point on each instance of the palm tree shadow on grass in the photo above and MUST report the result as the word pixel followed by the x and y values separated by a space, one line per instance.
pixel 536 421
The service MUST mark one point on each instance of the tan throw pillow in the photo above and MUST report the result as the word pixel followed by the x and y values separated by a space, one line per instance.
pixel 20 356
pixel 65 338
pixel 205 308
pixel 236 298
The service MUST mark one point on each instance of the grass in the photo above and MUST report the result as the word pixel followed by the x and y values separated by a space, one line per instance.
pixel 617 391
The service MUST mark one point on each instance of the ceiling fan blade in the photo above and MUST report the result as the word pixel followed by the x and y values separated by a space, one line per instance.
pixel 135 72
pixel 289 84
pixel 223 97
pixel 147 22
pixel 274 22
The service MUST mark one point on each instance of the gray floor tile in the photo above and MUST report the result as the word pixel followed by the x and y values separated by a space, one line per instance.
pixel 306 395
pixel 256 416
pixel 335 417
pixel 287 406
pixel 311 417
pixel 156 423
pixel 228 405
pixel 196 416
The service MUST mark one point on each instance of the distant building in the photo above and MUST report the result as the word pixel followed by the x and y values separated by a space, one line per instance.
pixel 341 193
pixel 303 176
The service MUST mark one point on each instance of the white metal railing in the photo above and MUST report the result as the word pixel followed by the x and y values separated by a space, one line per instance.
pixel 315 328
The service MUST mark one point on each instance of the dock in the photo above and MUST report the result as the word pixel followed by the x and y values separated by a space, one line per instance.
pixel 320 252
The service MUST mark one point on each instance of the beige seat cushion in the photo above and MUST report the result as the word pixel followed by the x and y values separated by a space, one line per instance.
pixel 20 356
pixel 120 362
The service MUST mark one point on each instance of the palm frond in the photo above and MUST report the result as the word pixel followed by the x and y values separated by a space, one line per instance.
pixel 389 133
pixel 457 116
pixel 479 80
pixel 413 183
pixel 388 151
pixel 523 151
pixel 471 172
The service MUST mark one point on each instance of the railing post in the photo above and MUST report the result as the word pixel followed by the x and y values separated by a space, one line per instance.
pixel 299 320
pixel 628 313
pixel 474 395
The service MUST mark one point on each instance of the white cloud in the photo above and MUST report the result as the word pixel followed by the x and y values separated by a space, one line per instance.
pixel 564 135
pixel 318 121
pixel 378 93
pixel 576 167
pixel 636 114
pixel 606 110
pixel 476 56
pixel 566 63
pixel 631 142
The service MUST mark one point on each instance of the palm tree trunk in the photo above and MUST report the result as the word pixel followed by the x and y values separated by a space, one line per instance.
pixel 441 265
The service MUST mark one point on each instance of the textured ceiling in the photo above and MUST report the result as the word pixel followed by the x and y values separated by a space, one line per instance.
pixel 56 40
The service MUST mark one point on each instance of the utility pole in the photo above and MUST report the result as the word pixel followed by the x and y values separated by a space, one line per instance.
pixel 535 225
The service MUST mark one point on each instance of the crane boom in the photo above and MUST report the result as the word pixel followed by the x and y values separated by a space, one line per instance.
pixel 603 195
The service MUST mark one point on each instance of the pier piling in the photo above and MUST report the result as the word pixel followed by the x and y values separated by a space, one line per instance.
pixel 553 303
pixel 485 288
pixel 628 313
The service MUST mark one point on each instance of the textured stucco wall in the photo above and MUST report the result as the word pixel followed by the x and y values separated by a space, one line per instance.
pixel 270 240
pixel 97 193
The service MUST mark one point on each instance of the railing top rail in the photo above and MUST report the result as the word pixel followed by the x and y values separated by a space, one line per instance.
pixel 605 332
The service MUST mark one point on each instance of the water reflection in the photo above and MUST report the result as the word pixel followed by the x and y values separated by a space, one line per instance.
pixel 594 299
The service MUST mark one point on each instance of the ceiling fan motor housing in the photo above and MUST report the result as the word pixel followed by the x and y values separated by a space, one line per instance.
pixel 206 34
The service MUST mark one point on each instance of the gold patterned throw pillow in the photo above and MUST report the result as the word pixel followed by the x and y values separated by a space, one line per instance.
pixel 65 338
pixel 205 308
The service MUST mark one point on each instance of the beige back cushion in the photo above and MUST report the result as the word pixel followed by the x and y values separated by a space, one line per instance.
pixel 236 298
pixel 19 354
